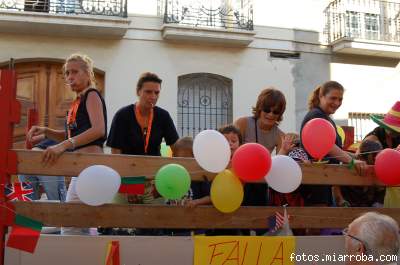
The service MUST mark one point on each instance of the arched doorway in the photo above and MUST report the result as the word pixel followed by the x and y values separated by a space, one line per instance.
pixel 40 84
pixel 204 102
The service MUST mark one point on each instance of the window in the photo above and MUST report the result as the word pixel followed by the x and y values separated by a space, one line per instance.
pixel 204 102
pixel 353 27
pixel 371 26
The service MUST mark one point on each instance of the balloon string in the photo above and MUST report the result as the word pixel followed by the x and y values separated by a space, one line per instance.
pixel 362 153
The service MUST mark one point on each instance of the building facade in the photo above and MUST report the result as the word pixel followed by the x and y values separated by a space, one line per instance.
pixel 214 56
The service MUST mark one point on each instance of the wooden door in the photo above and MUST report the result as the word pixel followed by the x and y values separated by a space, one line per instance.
pixel 61 96
pixel 42 85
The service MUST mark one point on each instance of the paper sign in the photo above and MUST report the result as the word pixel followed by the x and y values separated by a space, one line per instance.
pixel 243 250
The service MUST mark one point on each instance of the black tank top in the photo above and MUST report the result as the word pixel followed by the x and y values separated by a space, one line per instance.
pixel 83 121
pixel 380 133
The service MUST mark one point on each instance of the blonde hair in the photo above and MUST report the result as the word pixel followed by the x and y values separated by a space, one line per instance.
pixel 322 90
pixel 86 63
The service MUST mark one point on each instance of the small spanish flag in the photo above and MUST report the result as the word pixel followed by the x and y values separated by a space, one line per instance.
pixel 112 255
pixel 24 234
pixel 132 185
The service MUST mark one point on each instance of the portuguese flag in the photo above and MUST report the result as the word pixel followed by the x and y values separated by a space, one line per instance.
pixel 24 234
pixel 132 185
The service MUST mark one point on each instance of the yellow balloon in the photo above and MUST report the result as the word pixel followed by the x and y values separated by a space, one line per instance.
pixel 226 192
pixel 169 152
pixel 341 133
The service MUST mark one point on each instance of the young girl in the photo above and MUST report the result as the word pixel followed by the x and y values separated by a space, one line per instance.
pixel 233 135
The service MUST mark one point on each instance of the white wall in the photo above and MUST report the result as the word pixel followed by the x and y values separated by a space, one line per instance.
pixel 143 49
pixel 372 84
pixel 299 14
pixel 370 81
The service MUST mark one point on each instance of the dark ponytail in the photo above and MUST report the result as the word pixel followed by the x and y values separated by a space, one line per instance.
pixel 322 90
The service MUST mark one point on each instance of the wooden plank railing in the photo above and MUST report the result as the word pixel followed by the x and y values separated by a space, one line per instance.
pixel 164 216
pixel 71 164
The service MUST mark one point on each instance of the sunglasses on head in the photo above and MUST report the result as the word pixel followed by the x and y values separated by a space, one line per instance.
pixel 269 110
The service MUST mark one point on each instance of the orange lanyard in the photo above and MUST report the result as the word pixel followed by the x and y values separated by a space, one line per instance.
pixel 71 118
pixel 146 131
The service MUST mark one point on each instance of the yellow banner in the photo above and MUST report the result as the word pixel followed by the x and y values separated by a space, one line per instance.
pixel 243 250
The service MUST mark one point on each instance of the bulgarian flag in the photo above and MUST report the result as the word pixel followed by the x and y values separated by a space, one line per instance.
pixel 132 185
pixel 24 234
pixel 112 255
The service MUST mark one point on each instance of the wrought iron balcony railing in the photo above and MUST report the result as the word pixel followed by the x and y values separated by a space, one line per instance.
pixel 116 8
pixel 226 14
pixel 363 19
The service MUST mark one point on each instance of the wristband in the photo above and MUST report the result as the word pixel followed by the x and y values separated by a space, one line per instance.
pixel 72 141
pixel 351 164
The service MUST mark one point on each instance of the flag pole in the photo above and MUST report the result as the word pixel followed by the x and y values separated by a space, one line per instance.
pixel 9 115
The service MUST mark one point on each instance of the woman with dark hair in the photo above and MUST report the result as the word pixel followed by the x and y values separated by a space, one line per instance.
pixel 323 102
pixel 262 128
pixel 138 129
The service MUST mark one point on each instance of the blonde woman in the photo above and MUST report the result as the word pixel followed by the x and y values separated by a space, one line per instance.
pixel 86 121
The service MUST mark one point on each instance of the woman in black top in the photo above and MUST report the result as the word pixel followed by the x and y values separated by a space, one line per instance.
pixel 86 121
pixel 138 129
pixel 388 135
pixel 323 102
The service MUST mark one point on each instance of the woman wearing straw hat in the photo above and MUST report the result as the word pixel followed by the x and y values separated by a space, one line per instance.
pixel 388 135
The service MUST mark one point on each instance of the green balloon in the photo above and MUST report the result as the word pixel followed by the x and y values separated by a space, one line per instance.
pixel 164 150
pixel 172 181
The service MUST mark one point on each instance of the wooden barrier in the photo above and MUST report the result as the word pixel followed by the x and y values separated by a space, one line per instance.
pixel 163 216
pixel 71 164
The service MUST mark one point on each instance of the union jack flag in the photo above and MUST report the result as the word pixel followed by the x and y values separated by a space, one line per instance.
pixel 19 191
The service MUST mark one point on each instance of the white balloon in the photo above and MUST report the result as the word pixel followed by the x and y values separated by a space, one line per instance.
pixel 97 185
pixel 285 174
pixel 211 150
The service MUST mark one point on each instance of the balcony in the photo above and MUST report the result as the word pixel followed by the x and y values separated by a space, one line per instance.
pixel 89 18
pixel 208 21
pixel 369 27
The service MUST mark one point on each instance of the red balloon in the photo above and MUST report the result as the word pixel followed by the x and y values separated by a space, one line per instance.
pixel 251 161
pixel 387 167
pixel 318 137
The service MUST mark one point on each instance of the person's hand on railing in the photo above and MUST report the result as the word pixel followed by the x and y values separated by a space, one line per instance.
pixel 52 153
pixel 35 132
pixel 37 139
pixel 361 167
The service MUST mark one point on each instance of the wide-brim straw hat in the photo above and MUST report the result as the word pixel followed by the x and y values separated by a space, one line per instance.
pixel 391 120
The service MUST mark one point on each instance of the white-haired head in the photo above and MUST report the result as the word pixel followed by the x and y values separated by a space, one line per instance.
pixel 379 233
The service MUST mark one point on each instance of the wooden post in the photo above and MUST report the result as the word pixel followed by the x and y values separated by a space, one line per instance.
pixel 9 114
pixel 33 118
